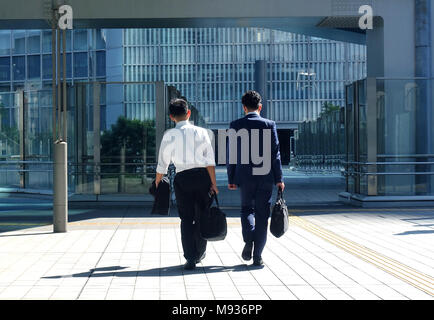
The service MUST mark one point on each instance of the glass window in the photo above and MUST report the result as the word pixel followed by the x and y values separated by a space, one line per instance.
pixel 46 41
pixel 19 45
pixel 18 67
pixel 34 66
pixel 68 66
pixel 34 41
pixel 18 86
pixel 5 69
pixel 80 65
pixel 4 88
pixel 5 42
pixel 80 39
pixel 100 64
pixel 47 69
pixel 68 40
pixel 97 39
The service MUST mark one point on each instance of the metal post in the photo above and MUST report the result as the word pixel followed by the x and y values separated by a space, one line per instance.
pixel 80 134
pixel 121 180
pixel 96 138
pixel 160 114
pixel 65 124
pixel 60 206
pixel 59 93
pixel 60 169
pixel 423 69
pixel 261 83
pixel 53 63
pixel 21 128
pixel 371 131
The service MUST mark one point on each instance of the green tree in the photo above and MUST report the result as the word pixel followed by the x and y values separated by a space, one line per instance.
pixel 9 134
pixel 136 135
pixel 328 108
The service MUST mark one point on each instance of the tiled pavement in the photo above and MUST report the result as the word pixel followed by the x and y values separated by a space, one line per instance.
pixel 123 253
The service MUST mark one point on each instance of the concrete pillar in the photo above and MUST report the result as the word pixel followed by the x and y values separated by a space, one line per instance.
pixel 60 197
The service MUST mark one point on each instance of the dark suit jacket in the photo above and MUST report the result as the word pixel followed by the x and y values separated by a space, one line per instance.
pixel 162 197
pixel 241 173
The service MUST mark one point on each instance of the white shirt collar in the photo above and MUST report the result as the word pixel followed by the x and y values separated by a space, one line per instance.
pixel 180 124
pixel 252 112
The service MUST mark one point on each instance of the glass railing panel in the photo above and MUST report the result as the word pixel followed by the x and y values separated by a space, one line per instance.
pixel 9 140
pixel 404 112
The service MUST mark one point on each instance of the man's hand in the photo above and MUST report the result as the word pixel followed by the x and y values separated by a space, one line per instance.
pixel 158 177
pixel 280 185
pixel 232 186
pixel 214 189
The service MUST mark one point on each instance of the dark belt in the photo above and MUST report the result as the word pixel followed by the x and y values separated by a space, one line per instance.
pixel 190 171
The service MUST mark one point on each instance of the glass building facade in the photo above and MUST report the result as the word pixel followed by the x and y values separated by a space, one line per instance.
pixel 26 65
pixel 25 58
pixel 213 67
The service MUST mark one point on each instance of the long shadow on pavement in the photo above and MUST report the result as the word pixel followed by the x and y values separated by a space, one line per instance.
pixel 171 271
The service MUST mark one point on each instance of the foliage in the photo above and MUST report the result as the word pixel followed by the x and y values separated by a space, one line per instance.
pixel 132 133
pixel 328 108
pixel 7 133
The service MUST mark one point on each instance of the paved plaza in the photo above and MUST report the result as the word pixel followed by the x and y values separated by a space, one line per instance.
pixel 329 252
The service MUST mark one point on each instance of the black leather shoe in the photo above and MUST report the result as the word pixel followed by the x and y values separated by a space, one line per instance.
pixel 258 262
pixel 190 265
pixel 201 257
pixel 247 251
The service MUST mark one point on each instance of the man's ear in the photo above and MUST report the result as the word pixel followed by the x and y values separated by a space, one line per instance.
pixel 245 109
pixel 259 107
pixel 188 114
pixel 171 118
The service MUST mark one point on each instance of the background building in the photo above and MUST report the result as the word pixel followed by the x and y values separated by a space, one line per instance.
pixel 213 67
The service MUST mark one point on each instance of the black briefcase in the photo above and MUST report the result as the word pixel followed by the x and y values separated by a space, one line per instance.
pixel 279 216
pixel 213 225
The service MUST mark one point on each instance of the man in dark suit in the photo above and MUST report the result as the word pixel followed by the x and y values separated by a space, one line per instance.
pixel 255 185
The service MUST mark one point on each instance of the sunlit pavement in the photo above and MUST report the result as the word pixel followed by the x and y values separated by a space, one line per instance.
pixel 125 253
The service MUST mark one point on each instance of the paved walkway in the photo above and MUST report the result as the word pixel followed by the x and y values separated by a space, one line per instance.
pixel 124 253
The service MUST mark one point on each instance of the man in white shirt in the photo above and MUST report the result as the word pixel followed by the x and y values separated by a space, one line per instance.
pixel 189 148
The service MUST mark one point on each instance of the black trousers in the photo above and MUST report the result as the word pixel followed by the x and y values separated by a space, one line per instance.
pixel 191 191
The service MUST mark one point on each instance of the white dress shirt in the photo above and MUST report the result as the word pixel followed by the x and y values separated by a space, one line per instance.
pixel 187 147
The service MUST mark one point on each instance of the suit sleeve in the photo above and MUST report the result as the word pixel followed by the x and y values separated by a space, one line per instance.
pixel 276 164
pixel 230 168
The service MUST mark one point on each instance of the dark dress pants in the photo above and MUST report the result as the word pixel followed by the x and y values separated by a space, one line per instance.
pixel 255 211
pixel 191 191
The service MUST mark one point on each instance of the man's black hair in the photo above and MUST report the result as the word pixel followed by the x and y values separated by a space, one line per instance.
pixel 251 99
pixel 178 107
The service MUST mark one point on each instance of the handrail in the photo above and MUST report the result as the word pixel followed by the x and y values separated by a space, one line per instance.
pixel 389 163
pixel 387 173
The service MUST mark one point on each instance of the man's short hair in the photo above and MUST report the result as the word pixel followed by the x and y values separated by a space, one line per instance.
pixel 178 107
pixel 251 99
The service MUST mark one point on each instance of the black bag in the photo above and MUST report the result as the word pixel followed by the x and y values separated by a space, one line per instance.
pixel 213 225
pixel 279 216
pixel 161 195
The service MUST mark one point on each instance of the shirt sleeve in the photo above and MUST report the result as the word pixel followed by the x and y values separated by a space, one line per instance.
pixel 165 154
pixel 208 152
